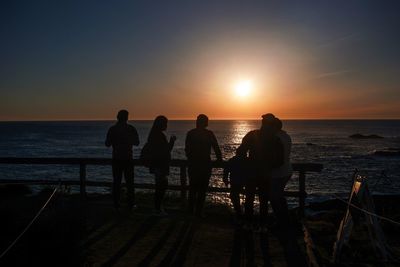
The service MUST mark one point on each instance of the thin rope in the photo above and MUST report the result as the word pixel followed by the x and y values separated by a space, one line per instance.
pixel 30 224
pixel 368 212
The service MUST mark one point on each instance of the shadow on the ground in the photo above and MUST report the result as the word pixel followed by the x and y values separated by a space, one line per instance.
pixel 145 227
pixel 176 256
pixel 160 244
pixel 101 234
pixel 243 250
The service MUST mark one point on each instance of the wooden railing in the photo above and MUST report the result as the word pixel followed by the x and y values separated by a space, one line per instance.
pixel 301 168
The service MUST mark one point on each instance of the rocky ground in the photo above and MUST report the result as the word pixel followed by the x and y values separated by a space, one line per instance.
pixel 323 222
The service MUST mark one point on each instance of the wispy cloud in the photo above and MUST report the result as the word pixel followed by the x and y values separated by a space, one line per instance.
pixel 341 39
pixel 333 74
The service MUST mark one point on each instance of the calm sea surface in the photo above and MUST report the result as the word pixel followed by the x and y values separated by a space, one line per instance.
pixel 319 141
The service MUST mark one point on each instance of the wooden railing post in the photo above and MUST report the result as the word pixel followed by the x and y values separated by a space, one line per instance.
pixel 82 179
pixel 183 179
pixel 302 189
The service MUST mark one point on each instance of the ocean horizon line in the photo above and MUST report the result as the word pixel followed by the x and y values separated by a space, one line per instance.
pixel 218 119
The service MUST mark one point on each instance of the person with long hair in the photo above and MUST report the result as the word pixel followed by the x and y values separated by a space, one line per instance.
pixel 160 149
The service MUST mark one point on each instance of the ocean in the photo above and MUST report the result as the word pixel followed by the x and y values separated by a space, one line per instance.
pixel 318 141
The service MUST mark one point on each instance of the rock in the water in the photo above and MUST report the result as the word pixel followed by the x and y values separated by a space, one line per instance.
pixel 362 136
pixel 387 153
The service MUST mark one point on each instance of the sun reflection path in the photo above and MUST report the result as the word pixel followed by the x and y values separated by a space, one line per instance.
pixel 239 130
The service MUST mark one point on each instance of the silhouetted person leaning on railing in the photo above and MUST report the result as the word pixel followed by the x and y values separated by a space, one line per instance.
pixel 236 173
pixel 159 155
pixel 198 144
pixel 122 137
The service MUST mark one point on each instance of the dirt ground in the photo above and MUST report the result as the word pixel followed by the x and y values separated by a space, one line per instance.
pixel 76 232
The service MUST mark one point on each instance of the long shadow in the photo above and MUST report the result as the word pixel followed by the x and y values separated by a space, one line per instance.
pixel 291 249
pixel 236 257
pixel 177 253
pixel 264 245
pixel 160 244
pixel 181 254
pixel 243 250
pixel 140 233
pixel 100 235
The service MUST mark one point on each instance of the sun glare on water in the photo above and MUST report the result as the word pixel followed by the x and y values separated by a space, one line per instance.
pixel 243 88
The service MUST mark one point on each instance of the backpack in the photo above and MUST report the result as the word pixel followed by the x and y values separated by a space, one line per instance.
pixel 146 155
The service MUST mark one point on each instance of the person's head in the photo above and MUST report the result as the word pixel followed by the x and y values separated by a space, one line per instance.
pixel 268 120
pixel 202 121
pixel 160 123
pixel 240 152
pixel 268 123
pixel 122 115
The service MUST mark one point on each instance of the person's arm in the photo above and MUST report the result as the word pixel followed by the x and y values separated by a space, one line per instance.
pixel 226 174
pixel 216 148
pixel 108 141
pixel 171 143
pixel 245 145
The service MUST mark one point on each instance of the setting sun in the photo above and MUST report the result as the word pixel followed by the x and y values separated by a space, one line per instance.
pixel 243 88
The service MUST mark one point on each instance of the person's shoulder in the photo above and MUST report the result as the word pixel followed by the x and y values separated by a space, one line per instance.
pixel 192 131
pixel 256 131
pixel 190 134
pixel 210 132
pixel 252 133
pixel 283 134
pixel 112 127
pixel 131 127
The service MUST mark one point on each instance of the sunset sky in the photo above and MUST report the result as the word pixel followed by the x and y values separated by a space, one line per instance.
pixel 67 60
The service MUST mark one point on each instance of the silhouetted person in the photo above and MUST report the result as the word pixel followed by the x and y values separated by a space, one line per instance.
pixel 198 144
pixel 280 176
pixel 265 153
pixel 160 159
pixel 122 137
pixel 235 173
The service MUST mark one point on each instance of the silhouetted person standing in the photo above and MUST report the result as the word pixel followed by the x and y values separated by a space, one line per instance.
pixel 199 142
pixel 160 157
pixel 265 153
pixel 122 137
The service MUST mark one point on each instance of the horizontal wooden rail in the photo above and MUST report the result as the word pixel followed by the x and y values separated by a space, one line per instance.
pixel 308 167
pixel 109 184
pixel 302 168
